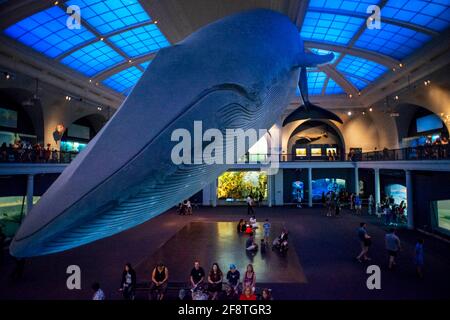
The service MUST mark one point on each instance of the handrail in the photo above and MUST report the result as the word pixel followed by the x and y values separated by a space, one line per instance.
pixel 431 152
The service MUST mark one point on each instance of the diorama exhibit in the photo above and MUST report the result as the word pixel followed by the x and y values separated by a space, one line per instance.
pixel 230 151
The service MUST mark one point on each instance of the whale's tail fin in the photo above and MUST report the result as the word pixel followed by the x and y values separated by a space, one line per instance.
pixel 310 110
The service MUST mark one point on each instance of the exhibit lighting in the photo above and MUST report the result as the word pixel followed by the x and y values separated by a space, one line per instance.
pixel 370 109
pixel 350 96
pixel 396 97
pixel 349 113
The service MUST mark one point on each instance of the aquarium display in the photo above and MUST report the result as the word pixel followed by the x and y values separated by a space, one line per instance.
pixel 238 185
pixel 443 214
pixel 396 191
pixel 297 191
pixel 323 186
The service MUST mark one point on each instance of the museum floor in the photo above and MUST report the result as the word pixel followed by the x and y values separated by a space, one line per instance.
pixel 320 263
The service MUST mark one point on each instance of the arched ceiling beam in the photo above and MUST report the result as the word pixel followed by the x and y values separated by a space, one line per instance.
pixel 340 80
pixel 366 54
pixel 135 62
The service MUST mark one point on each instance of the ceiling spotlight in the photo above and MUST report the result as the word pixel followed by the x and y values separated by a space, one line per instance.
pixel 99 108
pixel 370 109
pixel 101 39
pixel 364 113
pixel 68 98
pixel 400 65
pixel 7 76
pixel 155 22
pixel 129 61
pixel 350 96
pixel 349 113
pixel 396 97
pixel 393 69
pixel 56 3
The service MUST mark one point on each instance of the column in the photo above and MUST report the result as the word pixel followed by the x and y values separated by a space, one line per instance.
pixel 409 199
pixel 356 181
pixel 214 193
pixel 278 182
pixel 270 191
pixel 30 192
pixel 207 195
pixel 377 186
pixel 310 202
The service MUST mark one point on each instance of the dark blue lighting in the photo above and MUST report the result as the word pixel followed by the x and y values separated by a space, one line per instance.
pixel 316 80
pixel 140 41
pixel 124 80
pixel 47 32
pixel 93 58
pixel 332 28
pixel 434 14
pixel 392 40
pixel 361 68
pixel 333 87
pixel 111 15
pixel 359 6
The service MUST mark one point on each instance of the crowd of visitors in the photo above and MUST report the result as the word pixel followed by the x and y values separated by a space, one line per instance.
pixel 393 248
pixel 23 151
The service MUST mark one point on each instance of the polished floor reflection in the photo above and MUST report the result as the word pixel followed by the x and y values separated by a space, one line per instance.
pixel 219 242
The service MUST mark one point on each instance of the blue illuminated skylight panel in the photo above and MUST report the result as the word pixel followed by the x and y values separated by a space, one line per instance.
pixel 433 14
pixel 392 40
pixel 124 80
pixel 361 67
pixel 359 6
pixel 323 52
pixel 333 87
pixel 47 32
pixel 93 58
pixel 146 64
pixel 111 15
pixel 358 83
pixel 140 41
pixel 330 28
pixel 316 81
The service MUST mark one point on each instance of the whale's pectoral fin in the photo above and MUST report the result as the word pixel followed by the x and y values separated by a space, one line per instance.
pixel 310 60
pixel 309 110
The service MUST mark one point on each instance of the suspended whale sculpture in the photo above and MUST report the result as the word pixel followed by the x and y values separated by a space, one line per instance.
pixel 238 72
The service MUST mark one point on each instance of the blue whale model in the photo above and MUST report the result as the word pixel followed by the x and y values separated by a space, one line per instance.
pixel 238 72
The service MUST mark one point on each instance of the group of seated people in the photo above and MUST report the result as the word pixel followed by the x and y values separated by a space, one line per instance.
pixel 280 243
pixel 213 287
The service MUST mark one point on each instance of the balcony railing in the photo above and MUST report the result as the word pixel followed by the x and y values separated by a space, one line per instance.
pixel 433 152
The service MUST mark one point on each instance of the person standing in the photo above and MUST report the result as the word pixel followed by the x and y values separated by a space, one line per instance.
pixel 128 282
pixel 365 241
pixel 419 257
pixel 266 227
pixel 393 246
pixel 250 206
pixel 358 204
pixel 370 205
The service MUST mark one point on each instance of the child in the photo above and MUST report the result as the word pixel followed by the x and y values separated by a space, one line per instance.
pixel 418 257
pixel 266 227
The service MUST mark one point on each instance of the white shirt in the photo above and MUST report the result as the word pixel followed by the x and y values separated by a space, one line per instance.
pixel 249 200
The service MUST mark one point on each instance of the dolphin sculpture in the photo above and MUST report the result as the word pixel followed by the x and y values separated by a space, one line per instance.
pixel 238 72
